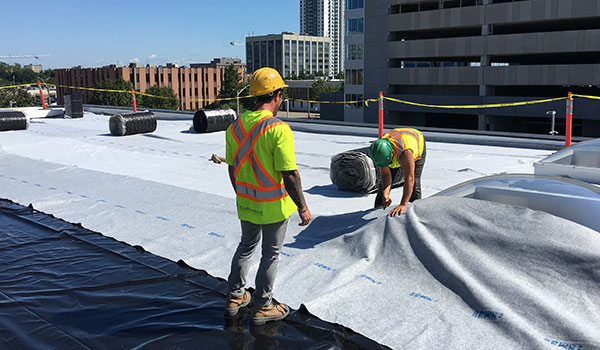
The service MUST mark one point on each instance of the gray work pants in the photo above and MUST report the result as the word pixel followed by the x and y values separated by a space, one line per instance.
pixel 272 241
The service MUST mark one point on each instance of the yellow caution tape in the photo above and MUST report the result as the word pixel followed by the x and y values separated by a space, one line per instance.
pixel 93 89
pixel 587 96
pixel 494 105
pixel 366 102
pixel 149 95
pixel 311 101
pixel 14 86
pixel 220 99
pixel 370 100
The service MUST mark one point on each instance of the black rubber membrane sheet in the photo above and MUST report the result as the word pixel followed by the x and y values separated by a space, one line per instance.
pixel 65 287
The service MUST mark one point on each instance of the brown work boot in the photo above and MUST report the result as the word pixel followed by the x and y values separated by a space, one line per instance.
pixel 271 312
pixel 234 304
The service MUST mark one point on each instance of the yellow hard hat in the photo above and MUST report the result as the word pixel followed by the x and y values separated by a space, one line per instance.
pixel 265 80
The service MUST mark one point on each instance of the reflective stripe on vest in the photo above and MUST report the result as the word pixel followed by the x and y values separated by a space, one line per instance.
pixel 268 189
pixel 397 134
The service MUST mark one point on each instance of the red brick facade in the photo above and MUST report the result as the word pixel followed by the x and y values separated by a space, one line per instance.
pixel 189 84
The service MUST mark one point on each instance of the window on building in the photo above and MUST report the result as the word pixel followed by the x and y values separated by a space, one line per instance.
pixel 353 76
pixel 271 53
pixel 354 52
pixel 278 56
pixel 354 26
pixel 264 60
pixel 256 53
pixel 354 4
pixel 286 56
pixel 307 56
pixel 301 55
pixel 354 101
pixel 294 67
pixel 249 61
pixel 321 58
pixel 313 58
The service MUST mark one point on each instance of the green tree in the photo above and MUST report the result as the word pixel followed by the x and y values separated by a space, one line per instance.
pixel 292 76
pixel 232 83
pixel 167 99
pixel 48 76
pixel 340 75
pixel 18 96
pixel 106 98
pixel 19 75
pixel 319 87
pixel 302 74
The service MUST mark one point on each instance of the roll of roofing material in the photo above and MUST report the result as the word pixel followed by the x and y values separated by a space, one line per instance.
pixel 210 120
pixel 134 123
pixel 13 120
pixel 354 171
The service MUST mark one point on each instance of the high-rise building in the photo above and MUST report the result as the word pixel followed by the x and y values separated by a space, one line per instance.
pixel 194 86
pixel 354 59
pixel 477 52
pixel 289 53
pixel 325 18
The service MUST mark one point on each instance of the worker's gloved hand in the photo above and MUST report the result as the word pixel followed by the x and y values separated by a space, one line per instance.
pixel 386 201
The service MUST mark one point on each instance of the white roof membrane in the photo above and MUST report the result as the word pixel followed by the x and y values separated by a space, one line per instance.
pixel 570 199
pixel 580 161
pixel 449 273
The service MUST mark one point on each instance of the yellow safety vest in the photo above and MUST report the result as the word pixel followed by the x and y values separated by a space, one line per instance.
pixel 403 139
pixel 261 194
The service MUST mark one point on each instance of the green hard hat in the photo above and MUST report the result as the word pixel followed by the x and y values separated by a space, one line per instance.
pixel 381 152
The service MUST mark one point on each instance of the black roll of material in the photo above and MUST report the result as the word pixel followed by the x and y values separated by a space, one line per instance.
pixel 134 123
pixel 354 171
pixel 13 120
pixel 210 120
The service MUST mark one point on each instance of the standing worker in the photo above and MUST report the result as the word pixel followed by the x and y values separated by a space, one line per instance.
pixel 263 173
pixel 399 148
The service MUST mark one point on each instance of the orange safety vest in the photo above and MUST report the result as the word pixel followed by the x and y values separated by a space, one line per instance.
pixel 268 190
pixel 408 138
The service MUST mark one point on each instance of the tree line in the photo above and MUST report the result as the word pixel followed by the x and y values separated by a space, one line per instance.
pixel 15 74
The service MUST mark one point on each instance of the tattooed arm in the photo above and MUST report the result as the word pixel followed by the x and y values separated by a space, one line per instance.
pixel 293 185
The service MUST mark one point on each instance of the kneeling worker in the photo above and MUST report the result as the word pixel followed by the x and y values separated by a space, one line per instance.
pixel 262 169
pixel 399 149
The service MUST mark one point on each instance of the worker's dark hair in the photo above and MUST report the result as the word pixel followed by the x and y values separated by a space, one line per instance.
pixel 267 97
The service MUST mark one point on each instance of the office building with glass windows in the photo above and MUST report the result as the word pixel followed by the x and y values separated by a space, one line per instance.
pixel 290 54
pixel 475 52
pixel 354 60
pixel 325 18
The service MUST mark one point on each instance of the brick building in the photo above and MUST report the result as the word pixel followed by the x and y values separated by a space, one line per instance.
pixel 198 82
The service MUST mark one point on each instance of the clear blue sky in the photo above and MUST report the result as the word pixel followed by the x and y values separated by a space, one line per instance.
pixel 99 32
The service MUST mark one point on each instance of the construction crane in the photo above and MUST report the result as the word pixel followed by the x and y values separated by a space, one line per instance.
pixel 36 56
